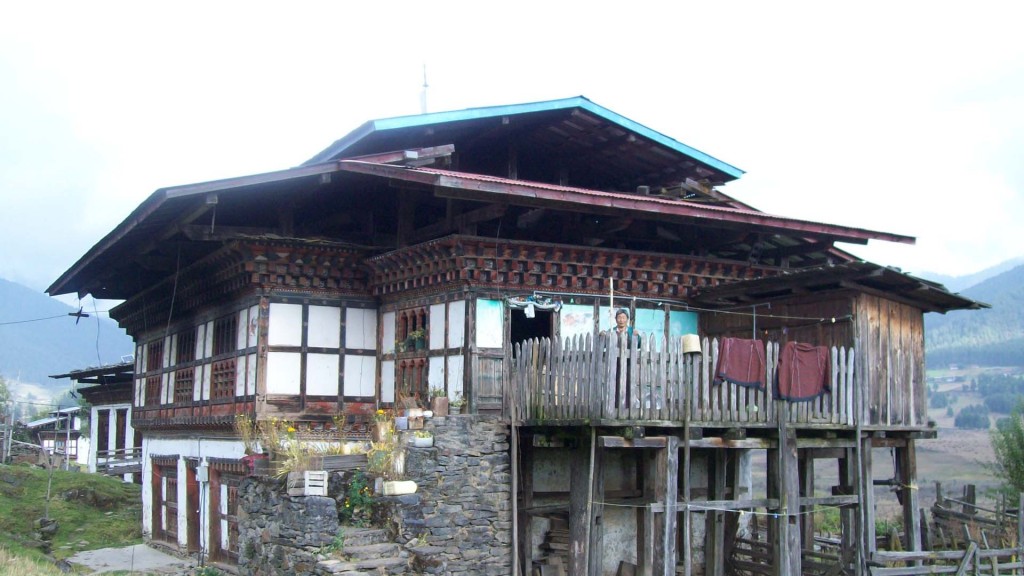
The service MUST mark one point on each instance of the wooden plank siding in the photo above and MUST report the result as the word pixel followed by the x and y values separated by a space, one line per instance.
pixel 599 380
pixel 890 339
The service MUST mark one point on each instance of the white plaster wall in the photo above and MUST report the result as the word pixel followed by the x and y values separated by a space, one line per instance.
pixel 435 372
pixel 324 327
pixel 457 324
pixel 322 374
pixel 361 329
pixel 242 333
pixel 387 381
pixel 283 371
pixel 388 334
pixel 94 417
pixel 436 327
pixel 285 326
pixel 456 365
pixel 360 375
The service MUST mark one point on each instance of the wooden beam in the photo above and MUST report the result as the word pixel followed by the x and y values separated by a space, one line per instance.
pixel 459 222
pixel 907 459
pixel 620 442
pixel 579 472
pixel 667 491
pixel 597 497
pixel 200 233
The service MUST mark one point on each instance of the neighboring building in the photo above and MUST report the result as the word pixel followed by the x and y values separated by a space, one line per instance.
pixel 59 433
pixel 115 447
pixel 428 251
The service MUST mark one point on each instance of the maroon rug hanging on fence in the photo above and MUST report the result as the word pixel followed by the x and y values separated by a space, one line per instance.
pixel 803 372
pixel 740 362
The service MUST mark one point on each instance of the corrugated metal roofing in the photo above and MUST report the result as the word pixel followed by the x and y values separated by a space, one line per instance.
pixel 616 200
pixel 393 133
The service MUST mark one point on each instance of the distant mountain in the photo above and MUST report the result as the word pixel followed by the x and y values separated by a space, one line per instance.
pixel 39 338
pixel 993 337
pixel 961 283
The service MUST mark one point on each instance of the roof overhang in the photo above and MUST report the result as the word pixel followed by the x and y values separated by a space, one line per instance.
pixel 490 188
pixel 857 276
pixel 102 375
pixel 379 135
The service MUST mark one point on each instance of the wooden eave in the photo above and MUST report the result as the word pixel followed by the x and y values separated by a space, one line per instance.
pixel 861 277
pixel 490 189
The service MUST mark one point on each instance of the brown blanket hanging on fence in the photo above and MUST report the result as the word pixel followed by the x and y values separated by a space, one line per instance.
pixel 740 362
pixel 803 372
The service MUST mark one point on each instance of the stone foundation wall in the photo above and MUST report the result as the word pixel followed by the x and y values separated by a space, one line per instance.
pixel 465 488
pixel 458 522
pixel 280 534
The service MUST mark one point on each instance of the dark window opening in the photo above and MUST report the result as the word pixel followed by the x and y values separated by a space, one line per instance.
pixel 522 328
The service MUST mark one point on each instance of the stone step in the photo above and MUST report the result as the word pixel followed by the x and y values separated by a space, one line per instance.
pixel 369 551
pixel 373 565
pixel 362 536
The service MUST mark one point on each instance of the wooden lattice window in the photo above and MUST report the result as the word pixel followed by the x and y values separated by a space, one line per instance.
pixel 154 362
pixel 184 378
pixel 225 338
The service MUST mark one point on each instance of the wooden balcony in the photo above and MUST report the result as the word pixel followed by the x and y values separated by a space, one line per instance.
pixel 118 462
pixel 604 383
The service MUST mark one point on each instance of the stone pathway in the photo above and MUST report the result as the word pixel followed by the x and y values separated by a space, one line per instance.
pixel 139 559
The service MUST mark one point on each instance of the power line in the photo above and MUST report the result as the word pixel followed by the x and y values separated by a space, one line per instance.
pixel 97 312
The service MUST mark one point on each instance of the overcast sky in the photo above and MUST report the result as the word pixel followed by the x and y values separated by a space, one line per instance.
pixel 894 116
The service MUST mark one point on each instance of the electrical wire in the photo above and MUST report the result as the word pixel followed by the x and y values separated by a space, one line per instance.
pixel 51 317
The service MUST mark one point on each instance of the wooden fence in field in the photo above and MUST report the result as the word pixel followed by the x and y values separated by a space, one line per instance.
pixel 644 380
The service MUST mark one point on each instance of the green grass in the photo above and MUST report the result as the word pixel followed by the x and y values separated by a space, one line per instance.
pixel 106 513
pixel 17 563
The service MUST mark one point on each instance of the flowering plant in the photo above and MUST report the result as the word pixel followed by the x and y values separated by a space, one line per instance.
pixel 381 416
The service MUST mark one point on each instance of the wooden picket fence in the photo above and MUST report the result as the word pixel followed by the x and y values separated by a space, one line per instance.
pixel 647 380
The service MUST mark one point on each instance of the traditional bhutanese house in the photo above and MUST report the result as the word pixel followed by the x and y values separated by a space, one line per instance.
pixel 481 252
pixel 59 432
pixel 115 447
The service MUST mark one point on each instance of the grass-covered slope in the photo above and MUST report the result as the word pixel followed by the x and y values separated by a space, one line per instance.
pixel 92 511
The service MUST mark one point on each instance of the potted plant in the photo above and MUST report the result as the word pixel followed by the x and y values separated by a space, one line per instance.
pixel 418 337
pixel 382 426
pixel 423 439
pixel 400 346
pixel 456 404
pixel 438 401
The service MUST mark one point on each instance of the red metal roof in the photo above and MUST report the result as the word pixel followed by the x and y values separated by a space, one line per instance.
pixel 489 187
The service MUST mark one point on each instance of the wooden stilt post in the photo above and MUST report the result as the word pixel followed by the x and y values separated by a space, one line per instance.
pixel 714 534
pixel 867 499
pixel 524 517
pixel 579 474
pixel 666 492
pixel 787 560
pixel 687 551
pixel 847 516
pixel 595 556
pixel 908 489
pixel 806 469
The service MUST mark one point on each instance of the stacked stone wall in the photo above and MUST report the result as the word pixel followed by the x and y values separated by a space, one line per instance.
pixel 465 488
pixel 459 521
pixel 281 534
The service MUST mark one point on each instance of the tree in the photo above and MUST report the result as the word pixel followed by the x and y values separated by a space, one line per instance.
pixel 5 394
pixel 974 417
pixel 1008 445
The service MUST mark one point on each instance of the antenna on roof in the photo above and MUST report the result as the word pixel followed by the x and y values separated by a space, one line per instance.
pixel 423 94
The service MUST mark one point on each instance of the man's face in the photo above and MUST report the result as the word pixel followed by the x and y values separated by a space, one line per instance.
pixel 621 320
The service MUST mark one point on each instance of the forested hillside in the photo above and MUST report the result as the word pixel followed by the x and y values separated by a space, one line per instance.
pixel 40 339
pixel 993 337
